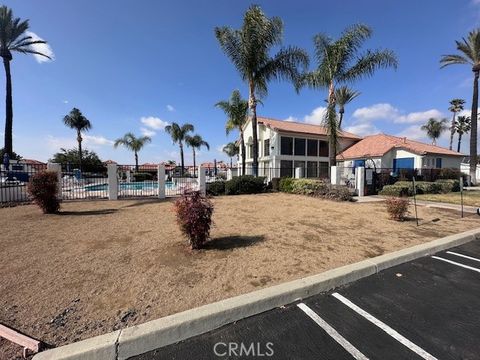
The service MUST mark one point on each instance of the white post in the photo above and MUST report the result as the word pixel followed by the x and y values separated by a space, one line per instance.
pixel 334 178
pixel 58 169
pixel 298 173
pixel 360 171
pixel 202 184
pixel 229 174
pixel 161 181
pixel 112 182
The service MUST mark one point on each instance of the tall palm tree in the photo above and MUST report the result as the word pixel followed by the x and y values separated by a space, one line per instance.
pixel 133 143
pixel 75 120
pixel 13 38
pixel 462 126
pixel 236 110
pixel 195 142
pixel 340 61
pixel 249 50
pixel 469 54
pixel 178 134
pixel 456 105
pixel 343 96
pixel 231 149
pixel 434 128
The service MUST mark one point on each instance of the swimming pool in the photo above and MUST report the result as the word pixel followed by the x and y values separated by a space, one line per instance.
pixel 130 186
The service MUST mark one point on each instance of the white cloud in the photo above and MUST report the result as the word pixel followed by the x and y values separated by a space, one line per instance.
pixel 147 132
pixel 65 101
pixel 170 108
pixel 291 118
pixel 418 117
pixel 220 148
pixel 42 48
pixel 153 122
pixel 97 140
pixel 316 116
pixel 363 129
pixel 55 143
pixel 376 112
pixel 413 132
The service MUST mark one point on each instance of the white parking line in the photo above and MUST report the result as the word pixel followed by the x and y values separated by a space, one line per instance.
pixel 456 263
pixel 352 350
pixel 463 256
pixel 393 333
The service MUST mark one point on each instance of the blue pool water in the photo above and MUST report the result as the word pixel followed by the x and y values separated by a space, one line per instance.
pixel 130 186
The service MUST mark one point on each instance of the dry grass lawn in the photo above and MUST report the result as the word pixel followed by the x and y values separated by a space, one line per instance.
pixel 100 266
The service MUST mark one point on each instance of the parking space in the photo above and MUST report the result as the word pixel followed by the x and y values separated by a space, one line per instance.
pixel 423 309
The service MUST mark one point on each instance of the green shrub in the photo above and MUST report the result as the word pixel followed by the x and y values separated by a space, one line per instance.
pixel 449 185
pixel 245 184
pixel 423 187
pixel 339 193
pixel 216 188
pixel 43 187
pixel 396 190
pixel 142 176
pixel 447 173
pixel 310 187
pixel 397 208
pixel 286 184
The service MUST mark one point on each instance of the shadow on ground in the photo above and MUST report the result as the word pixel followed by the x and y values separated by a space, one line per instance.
pixel 232 242
pixel 88 212
pixel 146 202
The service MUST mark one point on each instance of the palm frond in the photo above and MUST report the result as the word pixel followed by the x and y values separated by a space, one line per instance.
pixel 368 63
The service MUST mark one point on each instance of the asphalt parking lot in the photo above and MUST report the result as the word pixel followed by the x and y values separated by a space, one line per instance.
pixel 424 309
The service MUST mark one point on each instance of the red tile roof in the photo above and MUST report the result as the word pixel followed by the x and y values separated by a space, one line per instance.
pixel 32 162
pixel 380 144
pixel 301 128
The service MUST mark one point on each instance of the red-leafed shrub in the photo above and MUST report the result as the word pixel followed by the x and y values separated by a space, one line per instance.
pixel 194 215
pixel 43 187
pixel 397 208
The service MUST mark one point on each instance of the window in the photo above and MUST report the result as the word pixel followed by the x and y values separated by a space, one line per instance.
pixel 312 147
pixel 312 169
pixel 323 169
pixel 266 147
pixel 250 151
pixel 286 168
pixel 286 146
pixel 438 163
pixel 323 148
pixel 300 147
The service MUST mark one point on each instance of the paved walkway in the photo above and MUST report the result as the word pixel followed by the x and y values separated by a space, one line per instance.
pixel 423 309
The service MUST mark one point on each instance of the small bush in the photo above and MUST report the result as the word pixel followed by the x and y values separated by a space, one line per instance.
pixel 310 187
pixel 339 193
pixel 449 185
pixel 397 208
pixel 216 188
pixel 43 187
pixel 142 176
pixel 396 190
pixel 194 216
pixel 286 184
pixel 245 184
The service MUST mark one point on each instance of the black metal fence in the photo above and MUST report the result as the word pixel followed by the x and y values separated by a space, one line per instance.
pixel 91 183
pixel 14 181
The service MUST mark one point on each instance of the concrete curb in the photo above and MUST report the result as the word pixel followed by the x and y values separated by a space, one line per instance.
pixel 135 340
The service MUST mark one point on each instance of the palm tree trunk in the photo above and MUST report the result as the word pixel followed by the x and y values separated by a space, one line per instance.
pixel 452 130
pixel 181 158
pixel 8 109
pixel 79 140
pixel 231 163
pixel 434 141
pixel 340 111
pixel 252 104
pixel 244 156
pixel 459 141
pixel 136 161
pixel 473 131
pixel 332 143
pixel 194 164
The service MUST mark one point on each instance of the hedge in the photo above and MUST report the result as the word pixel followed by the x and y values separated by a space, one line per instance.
pixel 216 188
pixel 316 188
pixel 245 184
pixel 405 188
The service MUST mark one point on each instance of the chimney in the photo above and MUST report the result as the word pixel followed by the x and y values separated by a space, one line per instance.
pixel 404 140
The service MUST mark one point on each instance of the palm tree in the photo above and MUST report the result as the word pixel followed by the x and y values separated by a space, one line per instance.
pixel 13 38
pixel 236 110
pixel 340 61
pixel 456 105
pixel 343 95
pixel 75 120
pixel 249 50
pixel 195 142
pixel 462 126
pixel 469 49
pixel 178 134
pixel 133 143
pixel 434 128
pixel 231 149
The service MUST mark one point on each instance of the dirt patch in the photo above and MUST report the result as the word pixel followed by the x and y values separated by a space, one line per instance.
pixel 105 265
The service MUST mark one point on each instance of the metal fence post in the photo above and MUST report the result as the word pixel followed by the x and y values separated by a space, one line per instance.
pixel 202 184
pixel 161 181
pixel 112 182
pixel 58 169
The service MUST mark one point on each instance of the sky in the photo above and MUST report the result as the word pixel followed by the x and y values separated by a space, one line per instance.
pixel 137 66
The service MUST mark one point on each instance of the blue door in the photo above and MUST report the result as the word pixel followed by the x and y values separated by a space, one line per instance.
pixel 358 163
pixel 405 163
